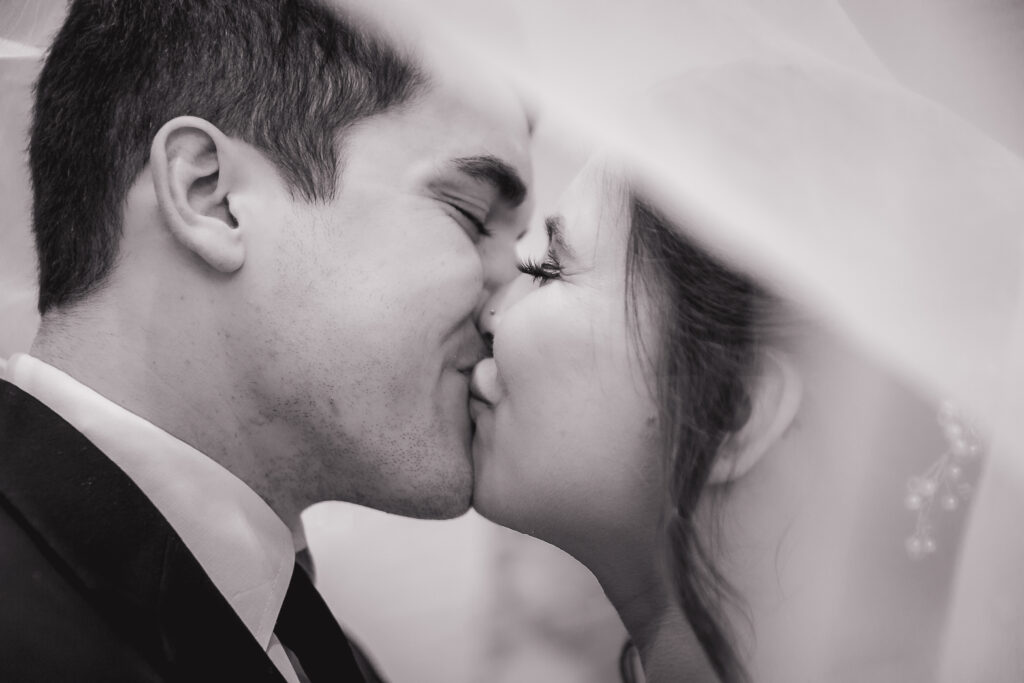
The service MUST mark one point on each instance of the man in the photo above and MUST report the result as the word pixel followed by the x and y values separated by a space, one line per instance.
pixel 265 238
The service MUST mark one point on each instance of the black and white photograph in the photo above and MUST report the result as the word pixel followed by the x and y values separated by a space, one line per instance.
pixel 480 341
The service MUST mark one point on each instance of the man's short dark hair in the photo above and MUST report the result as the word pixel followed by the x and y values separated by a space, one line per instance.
pixel 287 76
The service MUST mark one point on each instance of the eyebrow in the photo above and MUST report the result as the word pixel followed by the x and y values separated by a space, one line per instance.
pixel 497 173
pixel 555 224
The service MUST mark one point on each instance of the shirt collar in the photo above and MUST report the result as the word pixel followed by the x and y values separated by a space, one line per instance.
pixel 244 547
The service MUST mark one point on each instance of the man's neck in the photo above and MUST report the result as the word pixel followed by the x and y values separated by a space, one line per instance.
pixel 178 385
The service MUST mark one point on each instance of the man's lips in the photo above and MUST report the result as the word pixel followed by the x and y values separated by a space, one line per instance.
pixel 478 403
pixel 474 393
pixel 472 351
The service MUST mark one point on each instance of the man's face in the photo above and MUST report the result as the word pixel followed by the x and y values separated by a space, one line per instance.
pixel 366 314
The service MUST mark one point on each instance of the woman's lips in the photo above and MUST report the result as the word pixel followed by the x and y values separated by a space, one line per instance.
pixel 484 385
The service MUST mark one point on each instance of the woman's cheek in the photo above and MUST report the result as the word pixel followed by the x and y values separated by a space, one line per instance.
pixel 518 347
pixel 544 353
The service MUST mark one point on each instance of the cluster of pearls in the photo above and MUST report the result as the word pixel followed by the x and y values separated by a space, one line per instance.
pixel 941 483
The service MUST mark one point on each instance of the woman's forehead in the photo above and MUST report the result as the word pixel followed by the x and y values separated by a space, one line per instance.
pixel 596 201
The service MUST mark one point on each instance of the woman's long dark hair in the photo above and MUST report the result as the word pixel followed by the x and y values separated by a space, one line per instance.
pixel 708 318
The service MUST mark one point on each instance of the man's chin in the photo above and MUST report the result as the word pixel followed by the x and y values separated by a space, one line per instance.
pixel 439 507
pixel 447 495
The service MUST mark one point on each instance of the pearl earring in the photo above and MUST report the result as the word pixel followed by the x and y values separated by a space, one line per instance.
pixel 942 481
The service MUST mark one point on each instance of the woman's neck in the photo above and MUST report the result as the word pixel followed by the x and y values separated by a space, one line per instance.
pixel 668 647
pixel 670 652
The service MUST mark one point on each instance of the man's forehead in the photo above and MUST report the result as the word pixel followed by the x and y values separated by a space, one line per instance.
pixel 447 64
pixel 463 99
pixel 484 134
pixel 494 102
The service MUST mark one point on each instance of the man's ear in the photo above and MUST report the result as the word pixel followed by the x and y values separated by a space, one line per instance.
pixel 194 168
pixel 775 397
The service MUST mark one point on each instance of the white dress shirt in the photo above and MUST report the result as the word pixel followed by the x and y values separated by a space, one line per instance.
pixel 244 547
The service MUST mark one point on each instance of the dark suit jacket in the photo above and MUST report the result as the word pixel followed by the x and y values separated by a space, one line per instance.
pixel 95 585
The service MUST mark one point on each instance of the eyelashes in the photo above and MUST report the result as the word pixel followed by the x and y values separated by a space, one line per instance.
pixel 546 271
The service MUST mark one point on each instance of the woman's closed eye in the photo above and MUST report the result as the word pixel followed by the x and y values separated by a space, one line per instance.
pixel 544 272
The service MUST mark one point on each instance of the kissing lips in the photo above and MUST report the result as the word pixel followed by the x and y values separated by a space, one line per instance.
pixel 485 386
pixel 477 403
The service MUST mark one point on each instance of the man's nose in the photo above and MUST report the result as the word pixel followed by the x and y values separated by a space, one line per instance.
pixel 498 257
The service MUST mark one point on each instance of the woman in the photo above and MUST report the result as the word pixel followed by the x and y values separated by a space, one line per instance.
pixel 697 445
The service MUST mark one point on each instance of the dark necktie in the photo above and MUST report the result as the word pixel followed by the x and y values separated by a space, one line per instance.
pixel 307 628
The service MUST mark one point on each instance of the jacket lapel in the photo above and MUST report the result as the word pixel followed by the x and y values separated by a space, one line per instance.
pixel 110 541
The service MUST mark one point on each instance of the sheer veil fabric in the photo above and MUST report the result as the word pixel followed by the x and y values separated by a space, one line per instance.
pixel 861 157
pixel 866 158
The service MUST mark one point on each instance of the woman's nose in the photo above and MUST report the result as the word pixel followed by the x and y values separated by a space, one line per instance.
pixel 493 307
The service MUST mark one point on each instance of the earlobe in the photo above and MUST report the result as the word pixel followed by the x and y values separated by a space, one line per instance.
pixel 193 175
pixel 774 401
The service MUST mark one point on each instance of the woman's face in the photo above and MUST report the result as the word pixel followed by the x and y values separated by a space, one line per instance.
pixel 566 444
